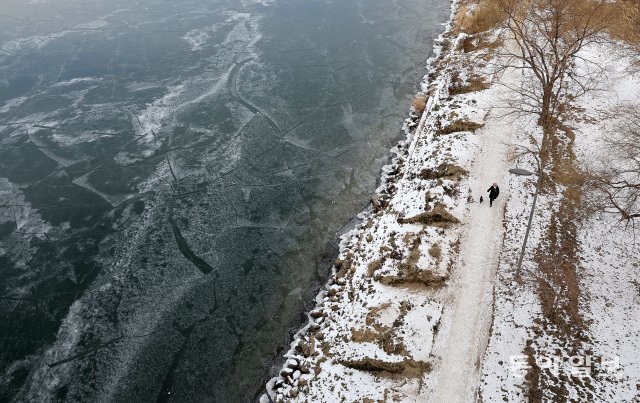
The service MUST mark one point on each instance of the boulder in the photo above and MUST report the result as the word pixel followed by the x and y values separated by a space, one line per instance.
pixel 316 313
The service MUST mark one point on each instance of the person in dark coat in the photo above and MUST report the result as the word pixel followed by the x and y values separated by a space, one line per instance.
pixel 494 191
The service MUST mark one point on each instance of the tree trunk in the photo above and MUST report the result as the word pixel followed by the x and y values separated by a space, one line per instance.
pixel 545 111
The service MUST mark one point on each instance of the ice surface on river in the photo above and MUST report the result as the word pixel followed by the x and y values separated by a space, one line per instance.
pixel 172 178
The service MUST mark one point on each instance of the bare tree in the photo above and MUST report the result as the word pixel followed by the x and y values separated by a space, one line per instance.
pixel 615 182
pixel 549 34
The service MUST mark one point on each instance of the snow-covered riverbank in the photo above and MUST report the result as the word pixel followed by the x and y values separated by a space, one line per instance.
pixel 381 328
pixel 425 303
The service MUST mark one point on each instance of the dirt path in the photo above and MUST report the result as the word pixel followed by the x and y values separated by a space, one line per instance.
pixel 468 313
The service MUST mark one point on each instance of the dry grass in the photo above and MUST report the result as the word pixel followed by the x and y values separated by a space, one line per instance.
pixel 419 104
pixel 383 335
pixel 460 126
pixel 445 171
pixel 374 314
pixel 557 257
pixel 475 83
pixel 480 41
pixel 410 273
pixel 532 378
pixel 557 275
pixel 375 266
pixel 479 16
pixel 625 21
pixel 435 251
pixel 414 276
pixel 414 255
pixel 407 367
pixel 621 17
pixel 437 217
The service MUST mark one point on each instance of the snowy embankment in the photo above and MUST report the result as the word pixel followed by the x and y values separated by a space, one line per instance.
pixel 426 302
pixel 403 295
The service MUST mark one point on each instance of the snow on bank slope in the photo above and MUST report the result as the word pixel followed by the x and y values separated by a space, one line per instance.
pixel 401 290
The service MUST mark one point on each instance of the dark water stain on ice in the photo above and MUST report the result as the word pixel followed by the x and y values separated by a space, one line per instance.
pixel 184 248
pixel 173 178
pixel 165 390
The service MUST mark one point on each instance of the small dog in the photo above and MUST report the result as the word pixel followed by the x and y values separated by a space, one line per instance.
pixel 481 199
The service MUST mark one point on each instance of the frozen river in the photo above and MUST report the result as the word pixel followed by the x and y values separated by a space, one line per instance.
pixel 173 175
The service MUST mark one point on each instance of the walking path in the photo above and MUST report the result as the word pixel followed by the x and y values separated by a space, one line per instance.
pixel 467 316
